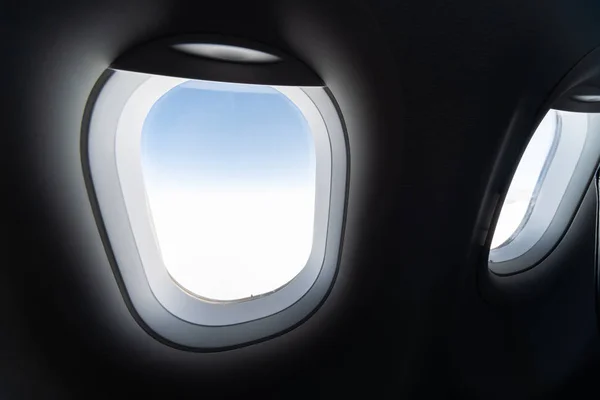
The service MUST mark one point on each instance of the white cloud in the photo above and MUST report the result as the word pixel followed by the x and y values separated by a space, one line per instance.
pixel 231 245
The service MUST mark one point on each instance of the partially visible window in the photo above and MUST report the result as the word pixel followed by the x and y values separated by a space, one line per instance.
pixel 229 172
pixel 527 180
pixel 547 186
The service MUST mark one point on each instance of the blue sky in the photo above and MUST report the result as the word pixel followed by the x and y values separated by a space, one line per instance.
pixel 215 134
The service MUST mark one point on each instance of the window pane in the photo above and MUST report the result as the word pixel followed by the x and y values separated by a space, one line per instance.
pixel 521 192
pixel 229 171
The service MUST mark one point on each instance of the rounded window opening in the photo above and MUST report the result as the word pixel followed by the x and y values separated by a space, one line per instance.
pixel 229 175
pixel 223 203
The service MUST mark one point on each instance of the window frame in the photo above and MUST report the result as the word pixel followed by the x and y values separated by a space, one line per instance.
pixel 561 190
pixel 161 303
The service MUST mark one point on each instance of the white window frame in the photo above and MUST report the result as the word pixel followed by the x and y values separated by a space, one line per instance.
pixel 114 143
pixel 562 184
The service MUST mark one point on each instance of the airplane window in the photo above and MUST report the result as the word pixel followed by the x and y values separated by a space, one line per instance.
pixel 223 203
pixel 229 172
pixel 528 177
pixel 551 178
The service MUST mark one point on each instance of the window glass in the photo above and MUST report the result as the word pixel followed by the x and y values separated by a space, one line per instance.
pixel 522 192
pixel 229 172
